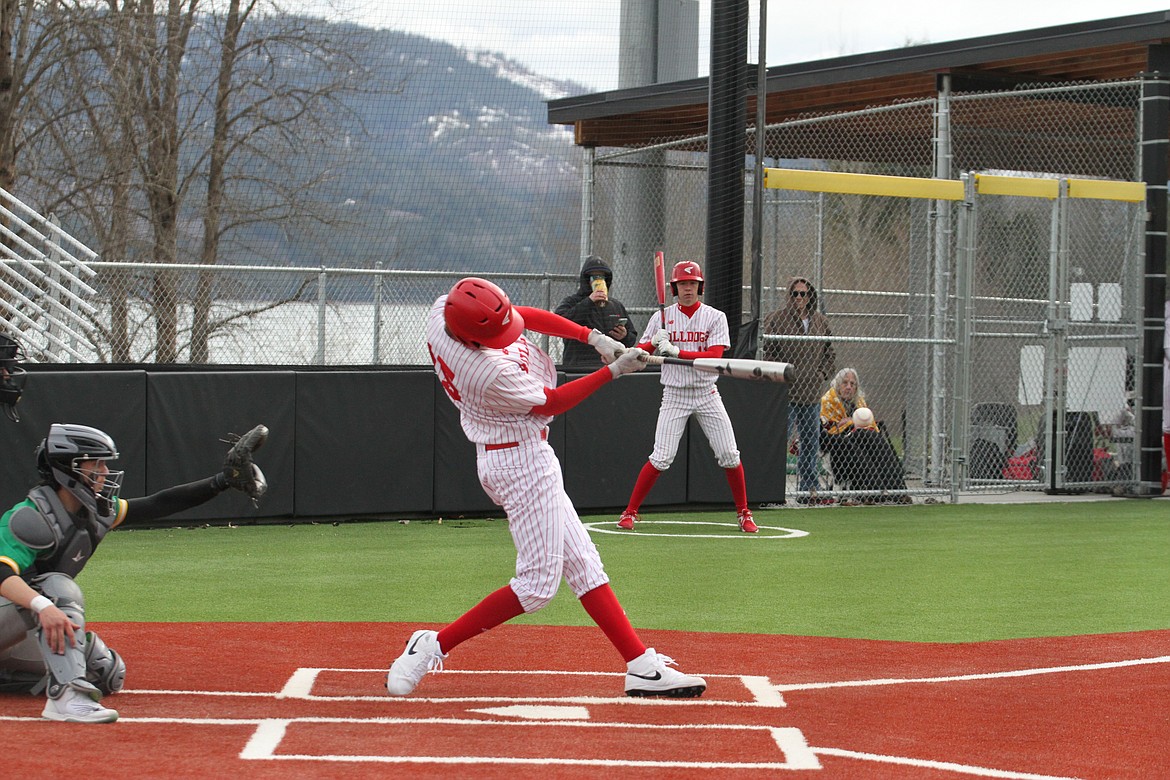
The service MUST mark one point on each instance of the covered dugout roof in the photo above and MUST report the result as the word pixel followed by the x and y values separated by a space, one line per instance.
pixel 1104 50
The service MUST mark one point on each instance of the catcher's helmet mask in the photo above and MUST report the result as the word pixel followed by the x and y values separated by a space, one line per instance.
pixel 12 375
pixel 684 271
pixel 478 312
pixel 59 459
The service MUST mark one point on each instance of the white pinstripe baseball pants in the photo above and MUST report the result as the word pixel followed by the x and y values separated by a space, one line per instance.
pixel 550 540
pixel 678 404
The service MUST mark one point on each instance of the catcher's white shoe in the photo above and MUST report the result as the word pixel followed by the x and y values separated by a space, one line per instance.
pixel 422 655
pixel 649 675
pixel 78 706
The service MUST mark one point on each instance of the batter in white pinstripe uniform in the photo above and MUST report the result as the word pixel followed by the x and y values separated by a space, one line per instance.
pixel 692 330
pixel 505 389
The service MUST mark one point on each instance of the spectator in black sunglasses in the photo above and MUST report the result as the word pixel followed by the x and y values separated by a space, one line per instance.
pixel 815 363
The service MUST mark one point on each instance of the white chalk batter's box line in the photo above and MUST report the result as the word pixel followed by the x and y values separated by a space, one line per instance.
pixel 790 741
pixel 523 712
pixel 300 686
pixel 764 693
pixel 793 746
pixel 265 741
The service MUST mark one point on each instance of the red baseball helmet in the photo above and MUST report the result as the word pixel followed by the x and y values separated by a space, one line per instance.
pixel 479 312
pixel 686 270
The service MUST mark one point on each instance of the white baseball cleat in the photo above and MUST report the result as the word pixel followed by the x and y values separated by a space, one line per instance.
pixel 78 706
pixel 649 675
pixel 422 655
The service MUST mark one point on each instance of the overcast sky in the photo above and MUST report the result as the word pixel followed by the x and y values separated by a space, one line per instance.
pixel 578 39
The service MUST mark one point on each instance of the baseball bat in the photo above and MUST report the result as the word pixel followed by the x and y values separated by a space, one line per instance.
pixel 736 368
pixel 660 286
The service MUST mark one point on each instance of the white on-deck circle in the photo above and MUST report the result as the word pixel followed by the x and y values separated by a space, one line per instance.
pixel 606 527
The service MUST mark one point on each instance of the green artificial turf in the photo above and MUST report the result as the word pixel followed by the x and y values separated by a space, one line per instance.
pixel 922 573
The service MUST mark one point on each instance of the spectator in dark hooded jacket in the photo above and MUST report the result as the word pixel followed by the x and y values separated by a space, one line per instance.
pixel 811 352
pixel 592 306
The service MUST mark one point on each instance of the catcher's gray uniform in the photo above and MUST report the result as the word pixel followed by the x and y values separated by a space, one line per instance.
pixel 45 544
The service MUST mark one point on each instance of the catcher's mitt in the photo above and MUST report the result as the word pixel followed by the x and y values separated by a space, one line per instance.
pixel 238 469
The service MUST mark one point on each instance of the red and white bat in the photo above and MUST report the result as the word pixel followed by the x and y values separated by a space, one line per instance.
pixel 660 285
pixel 736 368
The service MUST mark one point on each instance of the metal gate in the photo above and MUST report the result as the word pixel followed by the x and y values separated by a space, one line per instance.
pixel 981 309
pixel 1048 272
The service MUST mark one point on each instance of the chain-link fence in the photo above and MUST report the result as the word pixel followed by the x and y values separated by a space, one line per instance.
pixel 1018 373
pixel 1046 327
pixel 255 315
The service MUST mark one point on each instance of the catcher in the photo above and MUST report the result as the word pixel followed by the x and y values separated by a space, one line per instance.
pixel 46 540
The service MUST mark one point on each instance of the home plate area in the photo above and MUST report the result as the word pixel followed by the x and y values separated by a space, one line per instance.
pixel 308 700
pixel 541 718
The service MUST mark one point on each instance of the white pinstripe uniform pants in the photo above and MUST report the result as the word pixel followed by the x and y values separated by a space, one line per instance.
pixel 678 405
pixel 550 540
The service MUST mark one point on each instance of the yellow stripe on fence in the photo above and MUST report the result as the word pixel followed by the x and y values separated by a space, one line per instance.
pixel 986 184
pixel 1129 191
pixel 948 189
pixel 862 184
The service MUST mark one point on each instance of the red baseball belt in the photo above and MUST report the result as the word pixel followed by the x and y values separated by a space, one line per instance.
pixel 510 444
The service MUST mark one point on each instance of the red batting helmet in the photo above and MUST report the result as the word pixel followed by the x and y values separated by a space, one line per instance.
pixel 686 270
pixel 479 312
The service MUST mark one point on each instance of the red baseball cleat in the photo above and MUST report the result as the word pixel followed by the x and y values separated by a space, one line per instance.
pixel 626 523
pixel 746 523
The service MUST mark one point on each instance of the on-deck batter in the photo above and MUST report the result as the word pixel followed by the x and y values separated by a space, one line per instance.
pixel 505 389
pixel 692 330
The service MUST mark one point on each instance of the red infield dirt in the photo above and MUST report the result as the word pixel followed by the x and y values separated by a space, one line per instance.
pixel 306 700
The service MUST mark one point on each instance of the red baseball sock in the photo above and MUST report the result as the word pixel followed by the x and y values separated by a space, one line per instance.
pixel 646 479
pixel 1166 472
pixel 738 487
pixel 602 605
pixel 499 607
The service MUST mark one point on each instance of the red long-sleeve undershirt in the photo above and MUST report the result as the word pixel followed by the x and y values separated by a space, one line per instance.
pixel 560 399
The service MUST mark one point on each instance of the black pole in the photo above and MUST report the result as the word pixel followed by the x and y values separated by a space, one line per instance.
pixel 749 332
pixel 726 131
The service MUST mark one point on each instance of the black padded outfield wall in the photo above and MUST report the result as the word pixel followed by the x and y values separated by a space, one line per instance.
pixel 759 416
pixel 189 414
pixel 364 441
pixel 349 443
pixel 114 401
pixel 456 486
pixel 611 435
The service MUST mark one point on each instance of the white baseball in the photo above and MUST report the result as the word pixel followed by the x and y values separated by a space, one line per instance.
pixel 863 417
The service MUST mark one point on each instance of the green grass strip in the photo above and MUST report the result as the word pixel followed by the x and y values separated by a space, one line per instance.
pixel 941 573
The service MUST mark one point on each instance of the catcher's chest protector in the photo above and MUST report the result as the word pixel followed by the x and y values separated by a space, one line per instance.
pixel 77 539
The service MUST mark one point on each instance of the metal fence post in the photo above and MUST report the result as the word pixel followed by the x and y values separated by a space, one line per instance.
pixel 376 358
pixel 322 297
pixel 546 294
pixel 942 275
pixel 967 226
pixel 587 174
pixel 53 326
pixel 1056 351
